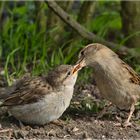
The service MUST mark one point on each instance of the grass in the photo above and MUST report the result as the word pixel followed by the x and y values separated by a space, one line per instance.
pixel 24 48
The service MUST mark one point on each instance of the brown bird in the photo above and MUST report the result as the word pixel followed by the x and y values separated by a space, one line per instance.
pixel 39 100
pixel 116 80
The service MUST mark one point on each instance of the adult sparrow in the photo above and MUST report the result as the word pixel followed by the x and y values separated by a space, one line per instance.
pixel 39 100
pixel 116 80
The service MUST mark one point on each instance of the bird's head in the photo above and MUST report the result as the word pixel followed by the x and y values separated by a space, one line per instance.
pixel 63 75
pixel 93 54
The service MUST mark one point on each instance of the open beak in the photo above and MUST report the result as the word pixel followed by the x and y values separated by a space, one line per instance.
pixel 80 63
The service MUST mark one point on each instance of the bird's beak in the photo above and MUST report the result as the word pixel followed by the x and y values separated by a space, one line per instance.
pixel 76 68
pixel 81 62
pixel 79 65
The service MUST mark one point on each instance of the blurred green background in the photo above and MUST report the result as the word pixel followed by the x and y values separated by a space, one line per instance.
pixel 33 39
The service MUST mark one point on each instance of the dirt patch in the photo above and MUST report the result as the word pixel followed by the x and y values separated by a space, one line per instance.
pixel 78 122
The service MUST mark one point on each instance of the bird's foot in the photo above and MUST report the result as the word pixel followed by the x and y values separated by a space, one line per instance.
pixel 121 124
pixel 126 124
pixel 58 123
pixel 119 121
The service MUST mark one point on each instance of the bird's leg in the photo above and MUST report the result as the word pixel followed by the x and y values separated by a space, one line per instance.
pixel 101 114
pixel 127 122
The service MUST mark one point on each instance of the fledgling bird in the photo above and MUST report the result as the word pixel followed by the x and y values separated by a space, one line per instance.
pixel 116 80
pixel 39 100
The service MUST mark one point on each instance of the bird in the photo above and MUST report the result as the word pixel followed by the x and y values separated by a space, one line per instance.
pixel 116 80
pixel 40 99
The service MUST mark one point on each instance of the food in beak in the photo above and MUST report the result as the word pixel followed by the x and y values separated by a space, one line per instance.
pixel 76 68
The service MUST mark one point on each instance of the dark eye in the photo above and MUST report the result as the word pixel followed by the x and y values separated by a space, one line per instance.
pixel 68 73
pixel 82 53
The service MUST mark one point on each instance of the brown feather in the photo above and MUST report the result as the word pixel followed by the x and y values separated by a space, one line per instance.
pixel 135 78
pixel 29 90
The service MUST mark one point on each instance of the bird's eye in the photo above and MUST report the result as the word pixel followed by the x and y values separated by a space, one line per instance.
pixel 82 53
pixel 68 73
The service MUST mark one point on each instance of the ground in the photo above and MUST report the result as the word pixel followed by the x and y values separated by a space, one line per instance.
pixel 79 121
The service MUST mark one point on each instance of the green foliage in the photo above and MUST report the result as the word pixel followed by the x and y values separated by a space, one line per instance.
pixel 102 24
pixel 23 47
pixel 19 42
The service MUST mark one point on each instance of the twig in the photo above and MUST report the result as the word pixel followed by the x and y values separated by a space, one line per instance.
pixel 82 31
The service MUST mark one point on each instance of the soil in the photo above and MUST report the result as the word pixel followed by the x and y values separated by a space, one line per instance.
pixel 78 122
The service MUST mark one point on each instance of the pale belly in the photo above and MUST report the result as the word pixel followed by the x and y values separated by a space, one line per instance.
pixel 42 112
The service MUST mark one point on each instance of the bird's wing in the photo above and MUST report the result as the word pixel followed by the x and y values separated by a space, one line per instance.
pixel 28 90
pixel 7 91
pixel 135 78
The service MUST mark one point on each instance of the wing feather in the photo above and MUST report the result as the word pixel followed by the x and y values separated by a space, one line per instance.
pixel 28 90
pixel 135 78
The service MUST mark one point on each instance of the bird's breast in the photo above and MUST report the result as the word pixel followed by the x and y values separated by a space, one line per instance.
pixel 47 109
pixel 114 87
